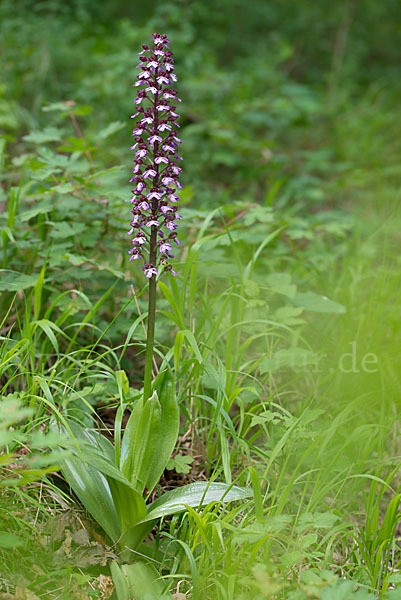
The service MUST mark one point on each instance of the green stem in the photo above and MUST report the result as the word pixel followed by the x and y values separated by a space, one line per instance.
pixel 147 384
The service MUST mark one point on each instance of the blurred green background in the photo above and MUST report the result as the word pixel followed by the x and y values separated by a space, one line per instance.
pixel 261 81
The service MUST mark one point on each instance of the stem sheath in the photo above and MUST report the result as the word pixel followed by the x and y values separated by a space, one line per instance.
pixel 147 384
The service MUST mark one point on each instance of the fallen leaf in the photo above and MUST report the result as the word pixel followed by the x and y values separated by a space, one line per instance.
pixel 81 537
pixel 65 547
pixel 22 593
pixel 105 585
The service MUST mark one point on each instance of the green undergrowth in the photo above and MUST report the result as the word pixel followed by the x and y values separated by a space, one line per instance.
pixel 282 327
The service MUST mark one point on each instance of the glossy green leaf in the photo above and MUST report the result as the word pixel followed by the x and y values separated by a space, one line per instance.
pixel 195 495
pixel 144 582
pixel 94 457
pixel 135 535
pixel 101 487
pixel 129 437
pixel 129 504
pixel 140 442
pixel 120 582
pixel 94 438
pixel 98 452
pixel 93 490
pixel 169 426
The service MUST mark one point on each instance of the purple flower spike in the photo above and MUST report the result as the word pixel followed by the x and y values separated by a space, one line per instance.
pixel 156 171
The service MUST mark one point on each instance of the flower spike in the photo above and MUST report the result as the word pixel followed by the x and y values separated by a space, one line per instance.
pixel 155 170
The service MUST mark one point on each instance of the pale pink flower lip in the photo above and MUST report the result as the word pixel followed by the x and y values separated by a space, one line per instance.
pixel 152 195
pixel 155 138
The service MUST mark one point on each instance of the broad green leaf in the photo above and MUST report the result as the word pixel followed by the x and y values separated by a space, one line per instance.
pixel 93 437
pixel 129 437
pixel 81 110
pixel 11 281
pixel 140 441
pixel 78 144
pixel 316 303
pixel 169 426
pixel 75 259
pixel 144 582
pixel 97 460
pixel 130 505
pixel 100 486
pixel 120 582
pixel 194 495
pixel 98 452
pixel 93 490
pixel 135 535
pixel 57 107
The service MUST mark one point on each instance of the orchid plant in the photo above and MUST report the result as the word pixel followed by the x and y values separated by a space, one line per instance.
pixel 112 481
